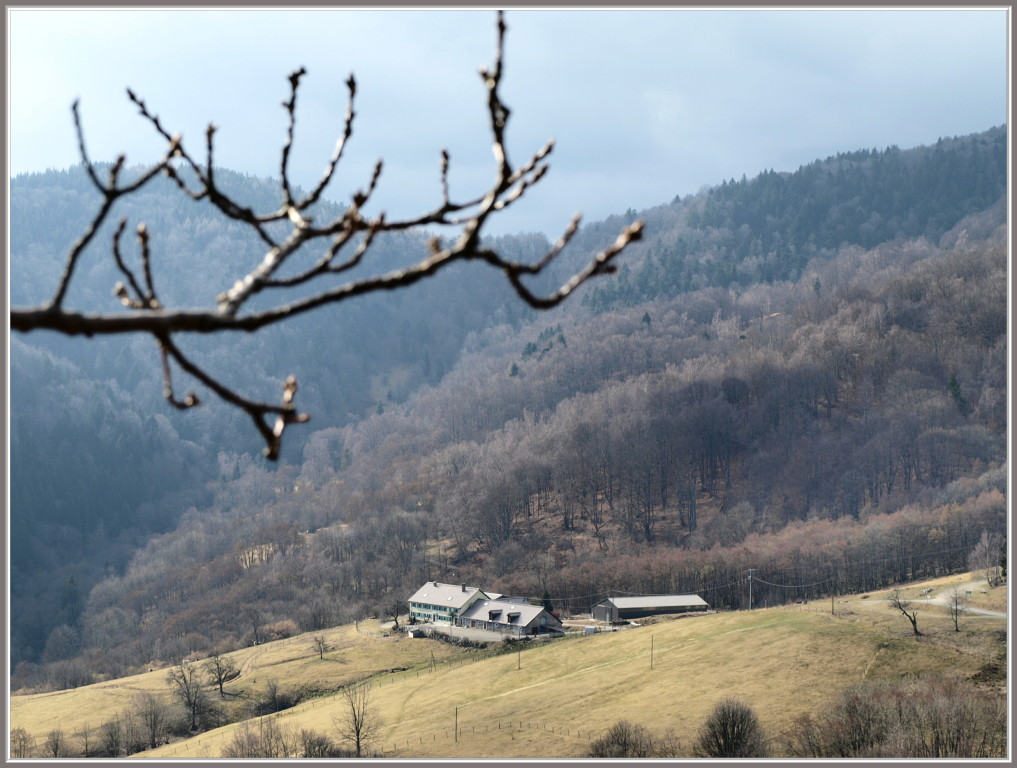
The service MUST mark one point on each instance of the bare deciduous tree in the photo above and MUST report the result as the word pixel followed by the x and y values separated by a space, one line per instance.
pixel 22 743
pixel 221 669
pixel 956 601
pixel 85 736
pixel 190 690
pixel 153 716
pixel 56 744
pixel 731 730
pixel 269 740
pixel 111 737
pixel 934 716
pixel 624 739
pixel 907 609
pixel 987 556
pixel 352 231
pixel 320 645
pixel 392 610
pixel 357 722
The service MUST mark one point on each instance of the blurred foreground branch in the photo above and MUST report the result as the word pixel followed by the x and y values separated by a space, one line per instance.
pixel 344 242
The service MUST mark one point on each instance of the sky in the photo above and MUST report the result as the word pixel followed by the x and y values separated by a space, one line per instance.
pixel 643 104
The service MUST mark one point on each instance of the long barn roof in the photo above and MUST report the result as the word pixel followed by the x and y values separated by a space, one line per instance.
pixel 656 601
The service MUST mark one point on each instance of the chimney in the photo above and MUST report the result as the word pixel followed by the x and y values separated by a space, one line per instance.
pixel 436 583
pixel 464 587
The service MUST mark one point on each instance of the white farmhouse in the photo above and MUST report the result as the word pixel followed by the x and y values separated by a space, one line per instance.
pixel 439 603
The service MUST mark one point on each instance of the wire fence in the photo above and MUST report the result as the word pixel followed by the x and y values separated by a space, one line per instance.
pixel 465 733
pixel 198 746
pixel 468 731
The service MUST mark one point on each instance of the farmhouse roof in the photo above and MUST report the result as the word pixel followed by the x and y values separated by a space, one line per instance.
pixel 656 601
pixel 504 611
pixel 451 595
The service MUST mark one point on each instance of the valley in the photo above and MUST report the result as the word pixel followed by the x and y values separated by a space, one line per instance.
pixel 791 399
pixel 551 699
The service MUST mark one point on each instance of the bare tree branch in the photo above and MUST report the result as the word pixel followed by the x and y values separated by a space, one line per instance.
pixel 350 230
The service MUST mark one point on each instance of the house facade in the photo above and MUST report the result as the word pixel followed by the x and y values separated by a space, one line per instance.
pixel 459 605
pixel 624 608
pixel 440 603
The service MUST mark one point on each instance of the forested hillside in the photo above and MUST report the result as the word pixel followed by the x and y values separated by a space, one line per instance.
pixel 800 373
pixel 768 228
pixel 100 461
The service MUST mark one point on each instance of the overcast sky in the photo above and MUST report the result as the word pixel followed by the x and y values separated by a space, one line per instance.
pixel 643 104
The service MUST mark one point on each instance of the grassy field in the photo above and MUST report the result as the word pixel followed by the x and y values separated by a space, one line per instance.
pixel 551 699
pixel 293 662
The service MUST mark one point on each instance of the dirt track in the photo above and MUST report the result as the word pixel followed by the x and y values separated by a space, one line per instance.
pixel 943 598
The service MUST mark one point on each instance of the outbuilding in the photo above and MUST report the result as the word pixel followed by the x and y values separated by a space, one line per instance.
pixel 510 616
pixel 626 608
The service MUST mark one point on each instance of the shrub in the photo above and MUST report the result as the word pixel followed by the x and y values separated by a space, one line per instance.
pixel 934 717
pixel 22 743
pixel 274 699
pixel 280 630
pixel 267 739
pixel 731 730
pixel 623 739
pixel 316 745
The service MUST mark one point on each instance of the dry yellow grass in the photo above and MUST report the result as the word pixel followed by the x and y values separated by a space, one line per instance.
pixel 294 662
pixel 551 699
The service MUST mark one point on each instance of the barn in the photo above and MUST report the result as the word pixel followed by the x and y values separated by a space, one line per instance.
pixel 624 608
pixel 513 616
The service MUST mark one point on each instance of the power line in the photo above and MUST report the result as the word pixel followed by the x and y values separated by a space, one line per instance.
pixel 813 567
pixel 790 586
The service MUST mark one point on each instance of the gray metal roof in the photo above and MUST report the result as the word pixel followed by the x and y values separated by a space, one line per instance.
pixel 656 601
pixel 451 595
pixel 523 610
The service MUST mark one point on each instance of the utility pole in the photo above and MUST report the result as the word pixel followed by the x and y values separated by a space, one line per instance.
pixel 457 724
pixel 751 571
pixel 833 593
pixel 651 651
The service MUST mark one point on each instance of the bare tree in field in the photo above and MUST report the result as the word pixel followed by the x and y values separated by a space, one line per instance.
pixel 56 744
pixel 956 601
pixel 22 743
pixel 392 611
pixel 85 736
pixel 908 609
pixel 188 686
pixel 221 669
pixel 731 730
pixel 624 740
pixel 336 248
pixel 320 645
pixel 153 714
pixel 986 557
pixel 357 722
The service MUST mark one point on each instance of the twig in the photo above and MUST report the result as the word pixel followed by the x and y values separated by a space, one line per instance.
pixel 145 314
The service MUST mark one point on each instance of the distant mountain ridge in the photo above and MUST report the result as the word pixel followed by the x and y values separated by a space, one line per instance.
pixel 767 228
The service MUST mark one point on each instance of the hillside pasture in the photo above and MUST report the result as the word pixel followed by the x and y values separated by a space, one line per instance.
pixel 293 662
pixel 550 699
